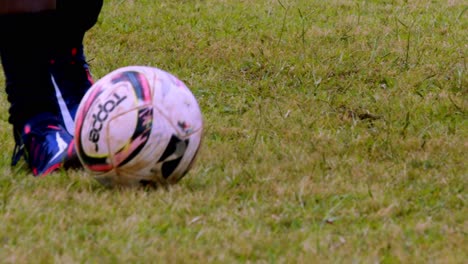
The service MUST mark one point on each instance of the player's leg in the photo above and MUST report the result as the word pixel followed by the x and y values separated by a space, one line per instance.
pixel 69 68
pixel 46 76
pixel 39 132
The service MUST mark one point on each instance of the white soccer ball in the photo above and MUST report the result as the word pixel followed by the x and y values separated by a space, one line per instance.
pixel 138 126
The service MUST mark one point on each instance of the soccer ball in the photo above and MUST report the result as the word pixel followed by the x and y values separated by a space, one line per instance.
pixel 138 126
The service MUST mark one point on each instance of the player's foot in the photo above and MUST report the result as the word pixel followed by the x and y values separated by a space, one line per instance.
pixel 46 146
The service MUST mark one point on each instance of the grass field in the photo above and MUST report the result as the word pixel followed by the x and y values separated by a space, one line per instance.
pixel 335 132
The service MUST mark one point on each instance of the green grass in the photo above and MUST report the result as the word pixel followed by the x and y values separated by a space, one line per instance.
pixel 335 132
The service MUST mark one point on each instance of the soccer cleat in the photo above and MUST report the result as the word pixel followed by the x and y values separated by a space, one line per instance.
pixel 46 146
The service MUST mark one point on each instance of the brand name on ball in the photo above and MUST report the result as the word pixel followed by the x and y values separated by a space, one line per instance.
pixel 102 114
